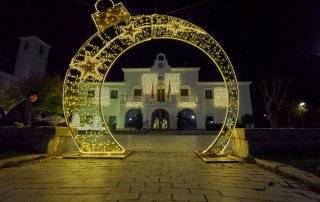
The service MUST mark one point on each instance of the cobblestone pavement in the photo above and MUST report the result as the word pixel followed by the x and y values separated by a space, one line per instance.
pixel 172 143
pixel 147 176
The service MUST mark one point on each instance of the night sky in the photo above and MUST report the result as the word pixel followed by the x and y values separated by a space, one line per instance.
pixel 261 37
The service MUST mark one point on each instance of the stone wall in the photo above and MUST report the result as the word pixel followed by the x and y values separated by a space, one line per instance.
pixel 255 142
pixel 245 142
pixel 42 140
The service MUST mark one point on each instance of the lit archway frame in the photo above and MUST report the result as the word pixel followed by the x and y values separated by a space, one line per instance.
pixel 118 31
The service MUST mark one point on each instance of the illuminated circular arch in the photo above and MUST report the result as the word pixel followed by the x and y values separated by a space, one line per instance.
pixel 118 31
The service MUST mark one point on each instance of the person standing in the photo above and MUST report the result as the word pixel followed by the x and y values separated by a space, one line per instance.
pixel 22 113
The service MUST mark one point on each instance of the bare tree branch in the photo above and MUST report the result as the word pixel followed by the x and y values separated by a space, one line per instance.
pixel 274 92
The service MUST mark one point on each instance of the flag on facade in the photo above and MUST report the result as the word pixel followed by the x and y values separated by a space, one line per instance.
pixel 152 89
pixel 169 90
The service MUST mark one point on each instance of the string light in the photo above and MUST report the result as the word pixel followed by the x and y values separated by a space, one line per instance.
pixel 174 80
pixel 184 105
pixel 118 31
pixel 220 97
pixel 148 81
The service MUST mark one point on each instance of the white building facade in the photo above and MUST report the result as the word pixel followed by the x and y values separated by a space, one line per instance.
pixel 163 97
pixel 32 58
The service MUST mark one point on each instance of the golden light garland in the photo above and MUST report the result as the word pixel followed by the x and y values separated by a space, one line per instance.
pixel 220 97
pixel 174 80
pixel 118 31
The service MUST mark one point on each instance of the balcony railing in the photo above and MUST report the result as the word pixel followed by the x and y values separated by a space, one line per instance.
pixel 134 98
pixel 148 98
pixel 187 98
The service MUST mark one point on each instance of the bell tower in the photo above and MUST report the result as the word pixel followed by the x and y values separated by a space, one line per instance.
pixel 161 63
pixel 32 57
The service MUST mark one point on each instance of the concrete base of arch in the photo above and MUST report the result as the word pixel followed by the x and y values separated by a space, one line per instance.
pixel 219 159
pixel 79 155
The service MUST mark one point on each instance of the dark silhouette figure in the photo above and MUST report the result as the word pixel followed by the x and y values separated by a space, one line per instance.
pixel 22 113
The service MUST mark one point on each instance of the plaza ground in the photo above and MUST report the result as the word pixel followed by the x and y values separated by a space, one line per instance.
pixel 163 168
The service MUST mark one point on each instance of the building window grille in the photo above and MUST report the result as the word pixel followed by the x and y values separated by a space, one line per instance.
pixel 137 92
pixel 114 94
pixel 208 94
pixel 184 92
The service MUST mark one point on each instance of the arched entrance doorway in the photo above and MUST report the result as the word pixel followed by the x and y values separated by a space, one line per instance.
pixel 160 119
pixel 133 119
pixel 186 120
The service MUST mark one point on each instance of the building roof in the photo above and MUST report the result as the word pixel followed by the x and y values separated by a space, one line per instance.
pixel 174 69
pixel 5 77
pixel 222 83
pixel 37 39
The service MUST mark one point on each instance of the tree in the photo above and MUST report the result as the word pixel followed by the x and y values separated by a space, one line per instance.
pixel 274 91
pixel 48 88
pixel 9 95
pixel 50 93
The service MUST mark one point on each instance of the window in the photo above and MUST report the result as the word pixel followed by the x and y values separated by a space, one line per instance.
pixel 91 94
pixel 161 57
pixel 26 45
pixel 41 50
pixel 184 92
pixel 137 92
pixel 114 94
pixel 208 94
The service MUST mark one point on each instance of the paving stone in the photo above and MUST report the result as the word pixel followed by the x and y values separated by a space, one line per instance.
pixel 214 198
pixel 159 197
pixel 134 200
pixel 152 190
pixel 174 190
pixel 158 184
pixel 185 185
pixel 135 184
pixel 36 198
pixel 122 196
pixel 299 199
pixel 255 200
pixel 188 197
pixel 6 189
pixel 205 192
pixel 148 176
pixel 250 194
pixel 92 197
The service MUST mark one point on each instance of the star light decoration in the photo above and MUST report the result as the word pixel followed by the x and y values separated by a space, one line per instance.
pixel 130 31
pixel 115 25
pixel 88 68
pixel 175 27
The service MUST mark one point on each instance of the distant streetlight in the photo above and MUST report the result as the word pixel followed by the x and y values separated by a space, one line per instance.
pixel 266 116
pixel 302 104
pixel 302 108
pixel 193 117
